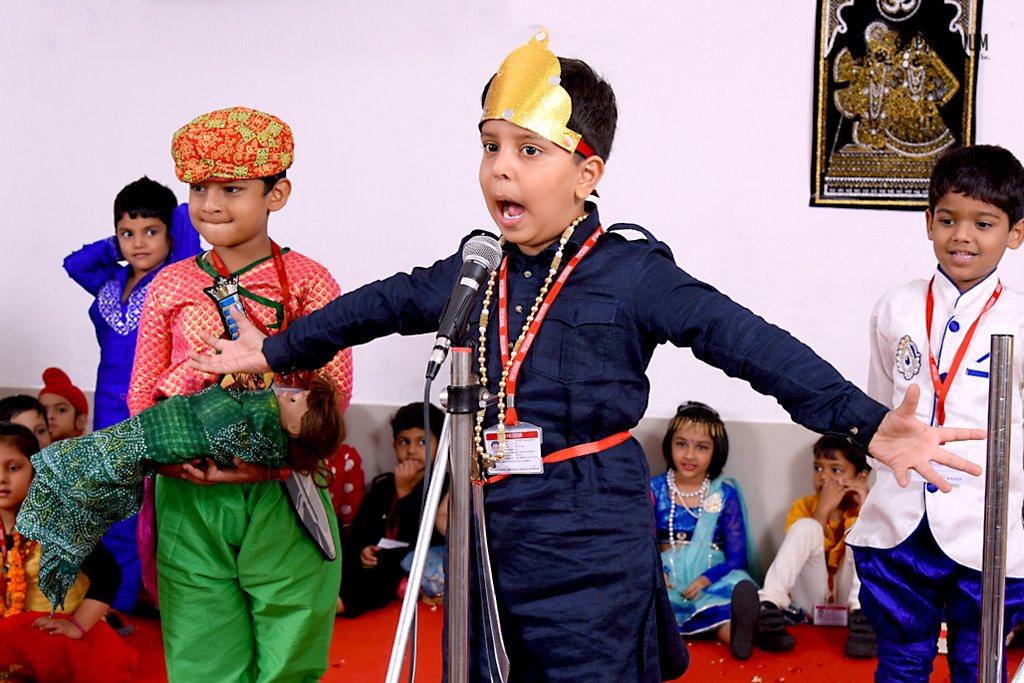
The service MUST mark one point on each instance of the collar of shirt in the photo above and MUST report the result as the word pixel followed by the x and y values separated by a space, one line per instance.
pixel 949 298
pixel 579 236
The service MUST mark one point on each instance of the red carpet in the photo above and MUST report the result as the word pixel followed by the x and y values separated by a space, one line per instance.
pixel 362 647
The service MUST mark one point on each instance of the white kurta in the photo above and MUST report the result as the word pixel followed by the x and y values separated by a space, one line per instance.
pixel 899 358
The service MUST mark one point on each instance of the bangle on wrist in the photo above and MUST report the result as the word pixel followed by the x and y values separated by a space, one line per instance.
pixel 77 623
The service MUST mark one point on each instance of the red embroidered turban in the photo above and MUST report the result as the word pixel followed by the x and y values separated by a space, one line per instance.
pixel 232 144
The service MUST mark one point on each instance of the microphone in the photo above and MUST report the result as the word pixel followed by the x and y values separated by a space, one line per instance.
pixel 480 257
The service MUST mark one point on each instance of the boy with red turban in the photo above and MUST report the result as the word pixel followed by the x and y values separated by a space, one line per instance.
pixel 245 595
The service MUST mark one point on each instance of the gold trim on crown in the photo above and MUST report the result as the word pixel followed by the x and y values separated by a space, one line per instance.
pixel 526 91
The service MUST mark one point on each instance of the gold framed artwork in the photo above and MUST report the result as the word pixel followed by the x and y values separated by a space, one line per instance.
pixel 894 88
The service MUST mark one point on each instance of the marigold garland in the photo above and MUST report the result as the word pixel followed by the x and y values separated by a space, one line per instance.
pixel 13 602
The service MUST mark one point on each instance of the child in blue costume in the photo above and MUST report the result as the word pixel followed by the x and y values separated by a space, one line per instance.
pixel 705 542
pixel 576 564
pixel 150 231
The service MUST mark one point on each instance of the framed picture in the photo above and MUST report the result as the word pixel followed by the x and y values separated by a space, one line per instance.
pixel 894 88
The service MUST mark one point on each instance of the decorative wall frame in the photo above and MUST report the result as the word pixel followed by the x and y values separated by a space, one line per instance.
pixel 894 88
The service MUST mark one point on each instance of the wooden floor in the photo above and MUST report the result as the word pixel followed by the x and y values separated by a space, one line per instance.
pixel 361 651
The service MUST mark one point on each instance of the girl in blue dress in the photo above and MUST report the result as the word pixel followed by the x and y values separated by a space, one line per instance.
pixel 703 534
pixel 150 231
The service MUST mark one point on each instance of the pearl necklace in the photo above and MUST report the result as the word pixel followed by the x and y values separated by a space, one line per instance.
pixel 674 493
pixel 486 459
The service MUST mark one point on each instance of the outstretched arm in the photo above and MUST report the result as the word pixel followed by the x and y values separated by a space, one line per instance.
pixel 902 442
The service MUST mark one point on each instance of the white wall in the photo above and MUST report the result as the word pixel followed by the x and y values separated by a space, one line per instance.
pixel 713 153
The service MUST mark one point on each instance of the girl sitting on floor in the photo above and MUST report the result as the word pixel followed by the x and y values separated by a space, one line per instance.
pixel 37 644
pixel 702 528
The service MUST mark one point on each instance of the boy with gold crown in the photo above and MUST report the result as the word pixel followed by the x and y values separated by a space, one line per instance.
pixel 245 595
pixel 576 565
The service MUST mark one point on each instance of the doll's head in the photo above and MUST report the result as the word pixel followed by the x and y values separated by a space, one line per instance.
pixel 311 420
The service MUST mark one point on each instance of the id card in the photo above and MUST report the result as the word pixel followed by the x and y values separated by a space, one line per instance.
pixel 522 449
pixel 830 615
pixel 954 477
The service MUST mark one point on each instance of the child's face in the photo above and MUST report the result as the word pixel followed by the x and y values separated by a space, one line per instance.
pixel 233 214
pixel 532 187
pixel 692 448
pixel 969 237
pixel 836 469
pixel 410 444
pixel 144 242
pixel 61 417
pixel 291 406
pixel 36 422
pixel 15 477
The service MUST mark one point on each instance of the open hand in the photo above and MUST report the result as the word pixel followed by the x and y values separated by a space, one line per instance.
pixel 59 627
pixel 693 590
pixel 244 354
pixel 903 442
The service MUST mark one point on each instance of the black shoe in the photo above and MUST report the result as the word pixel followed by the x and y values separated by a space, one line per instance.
pixel 861 643
pixel 122 627
pixel 771 630
pixel 743 619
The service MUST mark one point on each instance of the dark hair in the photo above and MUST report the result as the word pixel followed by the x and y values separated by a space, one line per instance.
pixel 12 406
pixel 270 180
pixel 700 414
pixel 19 438
pixel 987 173
pixel 145 198
pixel 594 112
pixel 321 430
pixel 834 447
pixel 411 417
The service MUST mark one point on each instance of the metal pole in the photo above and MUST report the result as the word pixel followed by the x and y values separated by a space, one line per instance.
pixel 419 558
pixel 997 474
pixel 457 580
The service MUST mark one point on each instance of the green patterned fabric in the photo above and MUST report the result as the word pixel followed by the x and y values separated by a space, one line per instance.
pixel 84 484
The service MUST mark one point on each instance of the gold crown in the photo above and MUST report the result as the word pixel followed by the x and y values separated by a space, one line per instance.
pixel 527 91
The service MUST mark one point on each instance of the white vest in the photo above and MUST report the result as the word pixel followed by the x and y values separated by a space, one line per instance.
pixel 899 358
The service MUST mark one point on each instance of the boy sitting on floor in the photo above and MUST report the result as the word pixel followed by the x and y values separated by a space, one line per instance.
pixel 812 565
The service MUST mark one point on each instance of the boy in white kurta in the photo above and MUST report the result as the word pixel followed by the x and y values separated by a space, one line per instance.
pixel 918 551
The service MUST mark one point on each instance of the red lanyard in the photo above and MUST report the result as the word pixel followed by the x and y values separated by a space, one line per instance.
pixel 942 387
pixel 282 277
pixel 3 563
pixel 391 520
pixel 531 333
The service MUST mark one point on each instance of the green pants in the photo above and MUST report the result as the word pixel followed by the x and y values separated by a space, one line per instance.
pixel 244 593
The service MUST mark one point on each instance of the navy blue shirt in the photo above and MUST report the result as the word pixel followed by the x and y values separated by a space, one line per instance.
pixel 573 549
pixel 585 377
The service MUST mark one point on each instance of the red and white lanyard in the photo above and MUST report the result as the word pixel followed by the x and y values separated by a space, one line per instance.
pixel 282 277
pixel 942 387
pixel 527 340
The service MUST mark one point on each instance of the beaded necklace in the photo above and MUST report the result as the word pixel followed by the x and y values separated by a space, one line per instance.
pixel 674 493
pixel 13 581
pixel 486 459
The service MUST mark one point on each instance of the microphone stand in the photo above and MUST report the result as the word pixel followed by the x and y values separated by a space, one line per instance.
pixel 464 399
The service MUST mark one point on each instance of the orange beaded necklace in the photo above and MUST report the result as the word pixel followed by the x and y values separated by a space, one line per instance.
pixel 13 581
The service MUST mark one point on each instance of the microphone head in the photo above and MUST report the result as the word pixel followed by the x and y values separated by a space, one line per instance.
pixel 483 249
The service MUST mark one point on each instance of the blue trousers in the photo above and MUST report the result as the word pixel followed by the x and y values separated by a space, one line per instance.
pixel 906 593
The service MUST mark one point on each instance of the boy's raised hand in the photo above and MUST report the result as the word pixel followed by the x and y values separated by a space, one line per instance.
pixel 903 442
pixel 244 354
